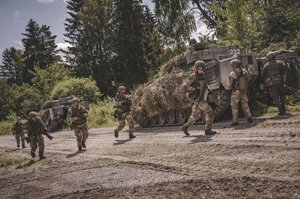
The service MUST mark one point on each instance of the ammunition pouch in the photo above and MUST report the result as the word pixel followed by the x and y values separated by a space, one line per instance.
pixel 117 114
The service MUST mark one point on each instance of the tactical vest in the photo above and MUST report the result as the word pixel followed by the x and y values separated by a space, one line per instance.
pixel 17 127
pixel 199 88
pixel 79 113
pixel 123 102
pixel 241 83
pixel 35 127
pixel 273 70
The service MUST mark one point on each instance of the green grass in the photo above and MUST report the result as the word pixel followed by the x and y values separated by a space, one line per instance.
pixel 5 127
pixel 6 161
pixel 100 114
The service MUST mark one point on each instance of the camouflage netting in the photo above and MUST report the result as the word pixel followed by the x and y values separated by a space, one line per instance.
pixel 166 92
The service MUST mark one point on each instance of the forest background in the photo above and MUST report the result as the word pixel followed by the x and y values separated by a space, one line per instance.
pixel 124 42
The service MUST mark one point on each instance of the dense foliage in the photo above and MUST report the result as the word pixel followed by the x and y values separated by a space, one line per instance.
pixel 123 42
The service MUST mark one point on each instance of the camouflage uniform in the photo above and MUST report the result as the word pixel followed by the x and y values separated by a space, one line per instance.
pixel 17 129
pixel 123 105
pixel 238 83
pixel 35 129
pixel 198 92
pixel 78 118
pixel 274 73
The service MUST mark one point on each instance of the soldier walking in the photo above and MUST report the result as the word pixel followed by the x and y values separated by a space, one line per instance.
pixel 238 83
pixel 274 73
pixel 18 132
pixel 35 128
pixel 77 116
pixel 123 112
pixel 198 93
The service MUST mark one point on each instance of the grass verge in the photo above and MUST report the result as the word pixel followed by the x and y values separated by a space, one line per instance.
pixel 7 161
pixel 100 114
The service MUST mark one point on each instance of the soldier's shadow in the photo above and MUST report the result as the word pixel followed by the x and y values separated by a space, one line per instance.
pixel 201 138
pixel 246 125
pixel 119 142
pixel 71 155
pixel 28 164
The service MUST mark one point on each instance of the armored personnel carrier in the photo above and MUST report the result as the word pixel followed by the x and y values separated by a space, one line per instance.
pixel 54 112
pixel 162 101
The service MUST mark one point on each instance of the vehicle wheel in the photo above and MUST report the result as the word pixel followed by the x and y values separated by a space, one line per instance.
pixel 223 102
pixel 152 121
pixel 181 116
pixel 161 119
pixel 53 125
pixel 170 117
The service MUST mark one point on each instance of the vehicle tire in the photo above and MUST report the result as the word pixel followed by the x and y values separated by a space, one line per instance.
pixel 171 117
pixel 181 116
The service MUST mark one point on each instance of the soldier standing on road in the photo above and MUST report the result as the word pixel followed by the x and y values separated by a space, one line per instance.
pixel 123 112
pixel 274 73
pixel 18 132
pixel 238 83
pixel 35 128
pixel 198 93
pixel 77 116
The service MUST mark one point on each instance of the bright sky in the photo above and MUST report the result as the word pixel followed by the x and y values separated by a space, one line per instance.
pixel 15 14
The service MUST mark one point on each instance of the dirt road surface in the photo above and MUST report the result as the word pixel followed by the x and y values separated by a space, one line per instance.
pixel 259 160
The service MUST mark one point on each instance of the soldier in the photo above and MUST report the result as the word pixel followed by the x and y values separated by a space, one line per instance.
pixel 35 128
pixel 123 105
pixel 18 132
pixel 77 116
pixel 198 93
pixel 274 73
pixel 238 83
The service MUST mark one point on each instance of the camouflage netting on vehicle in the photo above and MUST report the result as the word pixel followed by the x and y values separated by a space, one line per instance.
pixel 166 92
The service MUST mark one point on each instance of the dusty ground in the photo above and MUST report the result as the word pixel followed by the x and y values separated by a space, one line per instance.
pixel 251 161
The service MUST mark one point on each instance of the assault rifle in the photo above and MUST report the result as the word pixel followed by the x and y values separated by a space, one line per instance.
pixel 50 137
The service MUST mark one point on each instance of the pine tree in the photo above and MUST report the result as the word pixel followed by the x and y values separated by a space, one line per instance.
pixel 133 64
pixel 73 28
pixel 96 44
pixel 13 64
pixel 39 48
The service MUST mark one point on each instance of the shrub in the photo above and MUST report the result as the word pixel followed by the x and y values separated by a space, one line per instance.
pixel 6 99
pixel 100 114
pixel 44 80
pixel 83 88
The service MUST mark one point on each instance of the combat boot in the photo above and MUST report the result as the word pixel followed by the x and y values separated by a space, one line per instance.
pixel 131 136
pixel 235 123
pixel 116 134
pixel 80 148
pixel 41 155
pixel 210 132
pixel 18 145
pixel 282 110
pixel 83 145
pixel 32 154
pixel 185 130
pixel 23 146
pixel 250 120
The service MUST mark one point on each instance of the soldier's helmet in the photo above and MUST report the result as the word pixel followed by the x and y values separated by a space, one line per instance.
pixel 271 56
pixel 32 113
pixel 75 99
pixel 121 88
pixel 235 63
pixel 199 64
